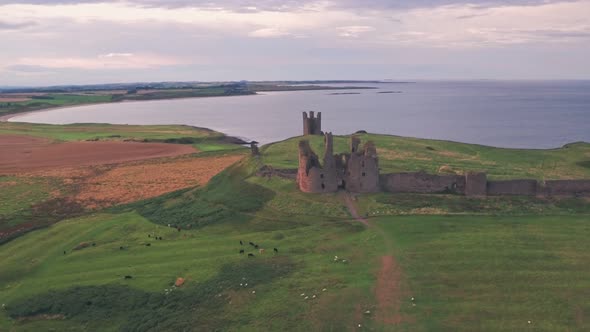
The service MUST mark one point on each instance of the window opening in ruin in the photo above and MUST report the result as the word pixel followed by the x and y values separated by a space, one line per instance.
pixel 363 164
pixel 321 176
pixel 323 186
pixel 363 173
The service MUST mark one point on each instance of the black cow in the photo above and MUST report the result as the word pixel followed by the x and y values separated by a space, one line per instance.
pixel 148 244
pixel 256 246
pixel 250 255
pixel 241 251
pixel 93 244
pixel 241 243
pixel 64 252
pixel 276 250
pixel 252 244
pixel 128 277
pixel 161 238
pixel 149 235
pixel 121 248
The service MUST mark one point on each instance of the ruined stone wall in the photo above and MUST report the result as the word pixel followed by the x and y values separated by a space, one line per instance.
pixel 362 168
pixel 512 187
pixel 421 182
pixel 312 125
pixel 312 177
pixel 566 188
pixel 476 184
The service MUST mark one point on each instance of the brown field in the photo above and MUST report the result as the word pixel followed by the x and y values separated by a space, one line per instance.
pixel 127 183
pixel 94 175
pixel 6 99
pixel 22 154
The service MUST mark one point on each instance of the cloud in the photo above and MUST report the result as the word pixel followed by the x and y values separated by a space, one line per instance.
pixel 106 61
pixel 354 31
pixel 5 25
pixel 292 5
pixel 269 33
pixel 115 55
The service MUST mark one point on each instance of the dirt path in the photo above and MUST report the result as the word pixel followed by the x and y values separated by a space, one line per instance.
pixel 348 200
pixel 388 291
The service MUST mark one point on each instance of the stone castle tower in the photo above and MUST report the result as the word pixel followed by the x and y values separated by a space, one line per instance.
pixel 355 172
pixel 313 177
pixel 312 125
pixel 362 167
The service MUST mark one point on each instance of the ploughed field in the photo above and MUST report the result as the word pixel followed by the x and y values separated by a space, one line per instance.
pixel 47 175
pixel 420 263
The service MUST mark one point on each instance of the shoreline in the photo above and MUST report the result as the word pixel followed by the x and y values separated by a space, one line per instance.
pixel 7 117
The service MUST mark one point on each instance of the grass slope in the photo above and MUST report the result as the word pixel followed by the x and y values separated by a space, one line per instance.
pixel 51 101
pixel 402 154
pixel 494 273
pixel 499 264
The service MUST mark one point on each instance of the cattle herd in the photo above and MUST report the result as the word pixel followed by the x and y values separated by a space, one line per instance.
pixel 255 246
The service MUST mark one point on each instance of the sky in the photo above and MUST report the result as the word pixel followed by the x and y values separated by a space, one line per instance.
pixel 53 42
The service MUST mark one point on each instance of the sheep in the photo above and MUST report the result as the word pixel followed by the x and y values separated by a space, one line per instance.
pixel 261 251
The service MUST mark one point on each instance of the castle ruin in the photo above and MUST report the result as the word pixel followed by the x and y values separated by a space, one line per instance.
pixel 312 125
pixel 358 172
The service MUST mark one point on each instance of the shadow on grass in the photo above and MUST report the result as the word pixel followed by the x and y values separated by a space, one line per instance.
pixel 227 198
pixel 129 309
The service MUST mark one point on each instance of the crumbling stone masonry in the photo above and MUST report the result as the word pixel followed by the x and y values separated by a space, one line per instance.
pixel 312 176
pixel 312 125
pixel 476 184
pixel 356 172
pixel 362 168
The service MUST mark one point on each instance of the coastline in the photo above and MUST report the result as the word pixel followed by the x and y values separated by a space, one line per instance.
pixel 7 117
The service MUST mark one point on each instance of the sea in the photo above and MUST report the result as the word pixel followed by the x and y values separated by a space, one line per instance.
pixel 510 114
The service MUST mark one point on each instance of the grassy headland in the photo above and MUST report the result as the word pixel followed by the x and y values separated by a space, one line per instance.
pixel 502 265
pixel 34 99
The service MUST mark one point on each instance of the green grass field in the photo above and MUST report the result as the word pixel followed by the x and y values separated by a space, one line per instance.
pixel 51 101
pixel 101 131
pixel 470 264
pixel 402 154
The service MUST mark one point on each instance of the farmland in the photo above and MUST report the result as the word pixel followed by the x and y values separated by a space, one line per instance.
pixel 423 263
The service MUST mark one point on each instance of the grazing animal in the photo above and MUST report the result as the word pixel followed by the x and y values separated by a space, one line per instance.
pixel 276 250
pixel 261 251
pixel 149 235
pixel 250 255
pixel 241 251
pixel 241 243
pixel 121 248
pixel 93 244
pixel 160 238
pixel 252 244
pixel 256 246
pixel 178 229
pixel 148 244
pixel 128 277
pixel 64 252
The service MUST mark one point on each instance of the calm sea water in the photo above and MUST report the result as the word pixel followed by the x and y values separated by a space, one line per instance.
pixel 513 114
